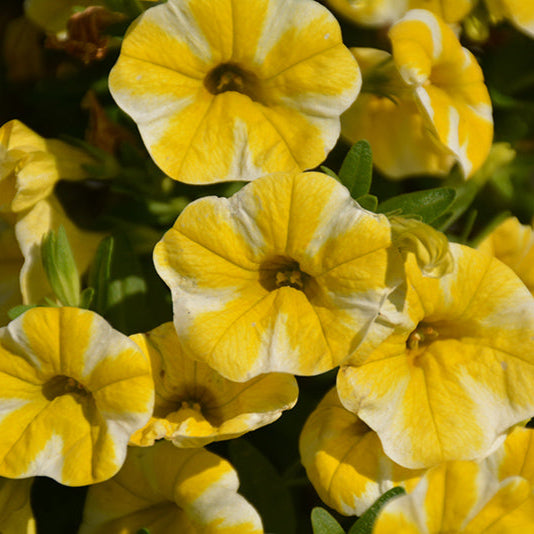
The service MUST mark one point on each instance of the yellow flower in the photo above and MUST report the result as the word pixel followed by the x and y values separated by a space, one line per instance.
pixel 234 89
pixel 21 234
pixel 344 459
pixel 460 497
pixel 447 84
pixel 16 516
pixel 513 244
pixel 293 278
pixel 166 489
pixel 452 384
pixel 518 12
pixel 387 115
pixel 195 405
pixel 72 391
pixel 378 13
pixel 30 166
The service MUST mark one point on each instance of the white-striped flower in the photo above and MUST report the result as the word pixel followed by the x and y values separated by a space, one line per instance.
pixel 234 89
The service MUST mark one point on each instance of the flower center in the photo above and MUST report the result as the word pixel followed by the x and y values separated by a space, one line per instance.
pixel 423 335
pixel 63 385
pixel 282 272
pixel 231 77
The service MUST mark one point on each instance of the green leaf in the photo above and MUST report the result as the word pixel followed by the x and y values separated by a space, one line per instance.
pixel 330 172
pixel 368 202
pixel 263 486
pixel 120 289
pixel 426 205
pixel 323 523
pixel 14 312
pixel 87 297
pixel 143 531
pixel 365 524
pixel 356 170
pixel 60 267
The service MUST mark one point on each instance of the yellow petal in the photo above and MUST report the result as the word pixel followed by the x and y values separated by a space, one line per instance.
pixel 166 489
pixel 73 391
pixel 195 405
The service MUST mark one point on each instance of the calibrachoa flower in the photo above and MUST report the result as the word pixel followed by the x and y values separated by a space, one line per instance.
pixel 22 234
pixel 30 166
pixel 293 278
pixel 166 489
pixel 518 12
pixel 513 244
pixel 16 516
pixel 447 84
pixel 515 457
pixel 451 385
pixel 462 497
pixel 387 115
pixel 195 405
pixel 383 12
pixel 344 459
pixel 72 391
pixel 216 100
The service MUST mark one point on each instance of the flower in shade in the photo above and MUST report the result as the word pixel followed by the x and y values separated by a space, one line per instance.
pixel 22 276
pixel 387 115
pixel 16 516
pixel 518 12
pixel 513 244
pixel 460 497
pixel 344 459
pixel 447 85
pixel 195 405
pixel 218 101
pixel 72 391
pixel 452 384
pixel 293 278
pixel 165 489
pixel 30 166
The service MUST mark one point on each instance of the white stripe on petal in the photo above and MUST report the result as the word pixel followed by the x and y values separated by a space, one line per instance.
pixel 49 461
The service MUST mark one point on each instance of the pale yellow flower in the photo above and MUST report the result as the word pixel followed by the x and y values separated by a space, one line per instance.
pixel 72 391
pixel 344 459
pixel 460 497
pixel 195 405
pixel 447 84
pixel 387 115
pixel 217 101
pixel 22 276
pixel 293 277
pixel 30 166
pixel 453 384
pixel 166 489
pixel 16 516
pixel 513 244
pixel 376 13
pixel 519 12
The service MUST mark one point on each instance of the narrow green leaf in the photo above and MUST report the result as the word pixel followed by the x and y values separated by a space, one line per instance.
pixel 99 274
pixel 263 486
pixel 330 172
pixel 60 267
pixel 14 312
pixel 323 523
pixel 365 524
pixel 143 531
pixel 427 205
pixel 356 170
pixel 368 202
pixel 86 297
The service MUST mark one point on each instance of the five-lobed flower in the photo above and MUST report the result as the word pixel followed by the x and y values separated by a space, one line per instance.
pixel 73 390
pixel 294 277
pixel 195 405
pixel 233 89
